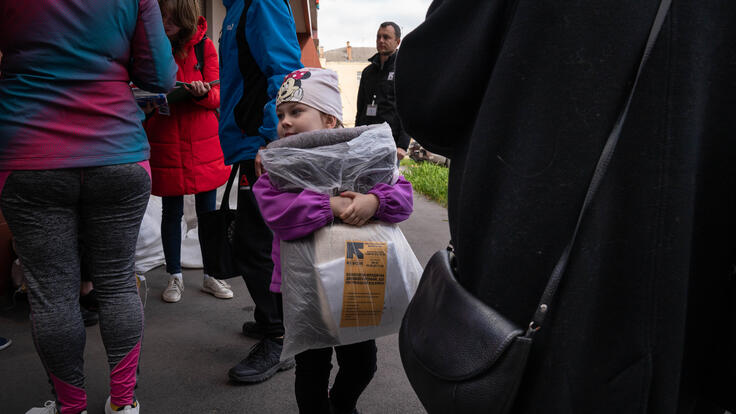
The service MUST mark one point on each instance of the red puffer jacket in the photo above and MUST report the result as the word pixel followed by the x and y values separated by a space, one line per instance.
pixel 186 157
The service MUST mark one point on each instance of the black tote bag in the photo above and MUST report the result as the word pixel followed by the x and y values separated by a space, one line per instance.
pixel 217 236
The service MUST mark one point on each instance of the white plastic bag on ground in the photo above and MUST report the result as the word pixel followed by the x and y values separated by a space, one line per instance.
pixel 345 284
pixel 191 253
pixel 149 252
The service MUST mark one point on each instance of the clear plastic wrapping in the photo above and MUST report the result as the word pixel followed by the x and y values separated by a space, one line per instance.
pixel 354 159
pixel 342 284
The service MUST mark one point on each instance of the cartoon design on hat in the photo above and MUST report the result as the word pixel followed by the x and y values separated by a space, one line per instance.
pixel 291 90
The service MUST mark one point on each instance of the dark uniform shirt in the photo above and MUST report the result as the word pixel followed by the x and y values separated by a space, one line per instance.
pixel 377 88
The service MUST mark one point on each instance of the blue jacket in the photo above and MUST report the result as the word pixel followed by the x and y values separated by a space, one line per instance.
pixel 258 48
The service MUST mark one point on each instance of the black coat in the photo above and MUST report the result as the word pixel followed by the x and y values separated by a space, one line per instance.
pixel 378 82
pixel 525 98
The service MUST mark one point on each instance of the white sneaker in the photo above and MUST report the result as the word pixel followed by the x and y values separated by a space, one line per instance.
pixel 223 281
pixel 128 409
pixel 217 287
pixel 49 407
pixel 173 291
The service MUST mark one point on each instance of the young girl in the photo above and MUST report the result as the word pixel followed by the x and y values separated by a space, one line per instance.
pixel 310 104
pixel 186 157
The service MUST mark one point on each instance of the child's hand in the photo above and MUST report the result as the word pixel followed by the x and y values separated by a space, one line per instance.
pixel 259 164
pixel 362 208
pixel 339 205
pixel 400 153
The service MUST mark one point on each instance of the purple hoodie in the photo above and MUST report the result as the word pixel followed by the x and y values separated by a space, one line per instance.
pixel 295 215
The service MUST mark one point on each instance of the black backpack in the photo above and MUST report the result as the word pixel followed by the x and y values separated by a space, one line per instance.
pixel 199 54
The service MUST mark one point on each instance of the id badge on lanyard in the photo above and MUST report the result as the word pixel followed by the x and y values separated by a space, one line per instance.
pixel 372 109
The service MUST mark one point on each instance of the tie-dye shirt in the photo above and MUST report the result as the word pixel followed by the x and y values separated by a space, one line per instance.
pixel 66 66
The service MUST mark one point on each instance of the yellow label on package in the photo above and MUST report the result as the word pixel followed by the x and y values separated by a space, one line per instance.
pixel 365 283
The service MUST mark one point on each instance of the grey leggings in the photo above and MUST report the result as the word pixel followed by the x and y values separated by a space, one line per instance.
pixel 48 211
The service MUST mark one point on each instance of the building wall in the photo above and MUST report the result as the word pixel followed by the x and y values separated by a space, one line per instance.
pixel 348 79
pixel 306 25
pixel 214 12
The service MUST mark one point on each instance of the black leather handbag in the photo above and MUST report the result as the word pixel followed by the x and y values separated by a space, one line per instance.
pixel 217 236
pixel 489 353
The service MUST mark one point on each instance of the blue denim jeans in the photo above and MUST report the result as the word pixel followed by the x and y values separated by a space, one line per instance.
pixel 172 212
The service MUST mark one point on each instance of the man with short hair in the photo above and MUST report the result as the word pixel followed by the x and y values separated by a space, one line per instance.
pixel 376 98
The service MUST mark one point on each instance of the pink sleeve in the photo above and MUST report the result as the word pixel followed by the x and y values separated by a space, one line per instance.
pixel 395 202
pixel 292 215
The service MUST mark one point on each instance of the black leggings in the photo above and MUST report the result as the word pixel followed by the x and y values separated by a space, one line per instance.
pixel 48 212
pixel 357 366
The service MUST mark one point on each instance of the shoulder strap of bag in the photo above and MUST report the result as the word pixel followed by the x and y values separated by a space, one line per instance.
pixel 600 171
pixel 199 54
pixel 225 203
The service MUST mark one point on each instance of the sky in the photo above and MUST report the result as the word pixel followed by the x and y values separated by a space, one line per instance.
pixel 357 20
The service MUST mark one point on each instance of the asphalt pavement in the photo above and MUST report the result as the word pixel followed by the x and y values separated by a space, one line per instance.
pixel 189 346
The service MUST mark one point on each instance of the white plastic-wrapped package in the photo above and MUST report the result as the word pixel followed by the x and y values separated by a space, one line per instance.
pixel 149 252
pixel 191 253
pixel 331 161
pixel 345 284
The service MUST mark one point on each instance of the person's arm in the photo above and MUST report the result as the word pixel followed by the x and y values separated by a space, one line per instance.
pixel 292 215
pixel 152 66
pixel 360 112
pixel 395 202
pixel 385 202
pixel 211 72
pixel 271 36
pixel 402 138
